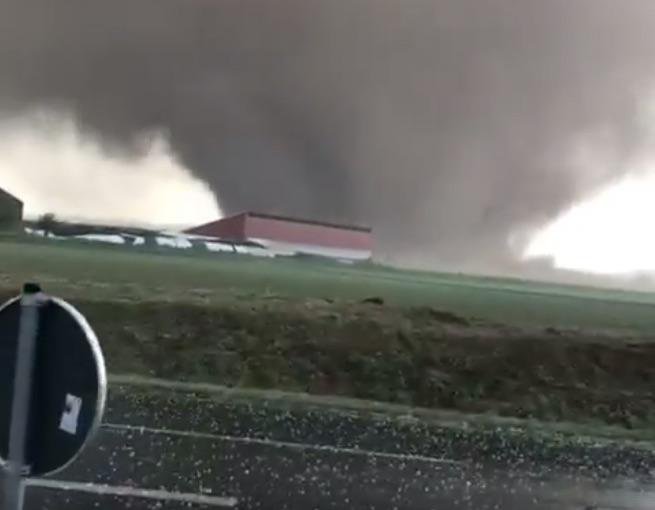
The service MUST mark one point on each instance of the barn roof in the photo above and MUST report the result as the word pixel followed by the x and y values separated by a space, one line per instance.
pixel 293 219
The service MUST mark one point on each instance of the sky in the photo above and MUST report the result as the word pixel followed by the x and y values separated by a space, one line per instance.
pixel 468 134
pixel 611 232
pixel 608 231
pixel 54 168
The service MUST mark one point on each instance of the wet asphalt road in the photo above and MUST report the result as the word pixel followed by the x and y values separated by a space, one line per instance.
pixel 143 453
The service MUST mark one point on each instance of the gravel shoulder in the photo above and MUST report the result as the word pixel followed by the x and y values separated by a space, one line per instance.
pixel 293 419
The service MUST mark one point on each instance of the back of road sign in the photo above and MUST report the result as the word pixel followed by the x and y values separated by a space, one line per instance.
pixel 68 388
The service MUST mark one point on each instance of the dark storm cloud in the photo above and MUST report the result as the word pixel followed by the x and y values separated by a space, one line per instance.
pixel 445 124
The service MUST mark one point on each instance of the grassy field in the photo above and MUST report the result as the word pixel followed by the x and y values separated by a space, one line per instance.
pixel 441 341
pixel 119 273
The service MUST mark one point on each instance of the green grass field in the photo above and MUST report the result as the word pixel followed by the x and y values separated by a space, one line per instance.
pixel 464 343
pixel 92 271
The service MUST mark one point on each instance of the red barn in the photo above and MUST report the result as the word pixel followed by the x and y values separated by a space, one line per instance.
pixel 292 235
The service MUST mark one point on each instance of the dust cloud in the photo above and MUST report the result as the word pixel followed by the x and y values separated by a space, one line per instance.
pixel 46 161
pixel 609 231
pixel 453 127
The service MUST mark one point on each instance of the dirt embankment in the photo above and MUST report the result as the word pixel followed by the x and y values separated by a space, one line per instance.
pixel 418 356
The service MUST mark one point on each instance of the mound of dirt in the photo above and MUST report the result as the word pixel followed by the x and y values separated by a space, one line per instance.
pixel 419 357
pixel 376 300
pixel 429 313
pixel 416 356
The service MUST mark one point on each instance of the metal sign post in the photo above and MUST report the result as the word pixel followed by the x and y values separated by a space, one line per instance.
pixel 20 407
pixel 52 388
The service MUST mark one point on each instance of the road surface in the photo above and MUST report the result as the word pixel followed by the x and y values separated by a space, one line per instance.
pixel 193 451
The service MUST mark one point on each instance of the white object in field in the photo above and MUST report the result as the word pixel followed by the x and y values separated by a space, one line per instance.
pixel 283 248
pixel 174 242
pixel 217 247
pixel 103 238
pixel 71 414
pixel 133 240
pixel 34 232
pixel 253 250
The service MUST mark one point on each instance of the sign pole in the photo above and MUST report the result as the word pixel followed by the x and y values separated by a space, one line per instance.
pixel 27 334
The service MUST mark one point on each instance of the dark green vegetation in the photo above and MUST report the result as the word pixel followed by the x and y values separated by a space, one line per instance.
pixel 109 272
pixel 442 341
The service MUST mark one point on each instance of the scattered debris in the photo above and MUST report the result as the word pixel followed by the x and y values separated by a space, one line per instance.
pixel 375 300
pixel 441 316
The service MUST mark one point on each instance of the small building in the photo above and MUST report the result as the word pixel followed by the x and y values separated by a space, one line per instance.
pixel 292 236
pixel 11 210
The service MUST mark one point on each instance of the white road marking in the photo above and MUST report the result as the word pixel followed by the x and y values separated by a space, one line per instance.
pixel 285 444
pixel 135 492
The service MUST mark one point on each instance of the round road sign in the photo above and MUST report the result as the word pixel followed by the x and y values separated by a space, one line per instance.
pixel 68 385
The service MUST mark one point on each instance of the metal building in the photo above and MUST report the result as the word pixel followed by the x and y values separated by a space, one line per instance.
pixel 11 210
pixel 287 235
